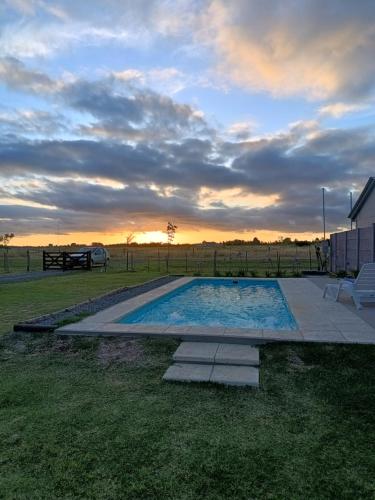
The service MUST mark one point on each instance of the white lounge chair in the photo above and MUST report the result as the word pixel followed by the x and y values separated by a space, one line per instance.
pixel 362 289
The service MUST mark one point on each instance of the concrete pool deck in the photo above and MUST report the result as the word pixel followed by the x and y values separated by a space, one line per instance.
pixel 318 320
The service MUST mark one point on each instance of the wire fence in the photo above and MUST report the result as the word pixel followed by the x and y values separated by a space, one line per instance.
pixel 219 260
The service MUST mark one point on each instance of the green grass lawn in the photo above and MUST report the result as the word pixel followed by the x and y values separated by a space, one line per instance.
pixel 75 422
pixel 21 301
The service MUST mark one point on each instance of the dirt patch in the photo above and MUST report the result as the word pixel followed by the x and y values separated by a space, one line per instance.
pixel 120 350
pixel 53 345
pixel 295 360
pixel 35 344
pixel 297 363
pixel 62 345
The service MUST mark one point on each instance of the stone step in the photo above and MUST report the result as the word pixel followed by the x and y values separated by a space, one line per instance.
pixel 217 353
pixel 196 352
pixel 220 374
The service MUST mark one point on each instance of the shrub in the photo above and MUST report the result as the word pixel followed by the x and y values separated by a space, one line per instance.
pixel 341 274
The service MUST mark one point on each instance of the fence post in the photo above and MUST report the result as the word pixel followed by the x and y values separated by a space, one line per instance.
pixel 186 262
pixel 28 261
pixel 131 262
pixel 6 261
pixel 127 260
pixel 64 261
pixel 158 260
pixel 215 270
pixel 167 263
pixel 278 263
pixel 346 251
pixel 373 243
pixel 148 263
pixel 44 260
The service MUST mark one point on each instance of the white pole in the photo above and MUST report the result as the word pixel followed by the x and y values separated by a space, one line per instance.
pixel 324 214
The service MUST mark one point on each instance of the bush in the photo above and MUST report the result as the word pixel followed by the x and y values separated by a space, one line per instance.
pixel 229 274
pixel 341 274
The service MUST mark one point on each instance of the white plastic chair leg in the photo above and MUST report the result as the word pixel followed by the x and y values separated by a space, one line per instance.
pixel 356 301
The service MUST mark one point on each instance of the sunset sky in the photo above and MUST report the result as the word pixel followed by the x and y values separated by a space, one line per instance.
pixel 226 117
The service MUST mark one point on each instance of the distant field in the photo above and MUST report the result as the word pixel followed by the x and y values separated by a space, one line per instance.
pixel 252 259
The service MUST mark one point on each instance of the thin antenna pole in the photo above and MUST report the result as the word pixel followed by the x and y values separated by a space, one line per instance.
pixel 324 213
pixel 351 208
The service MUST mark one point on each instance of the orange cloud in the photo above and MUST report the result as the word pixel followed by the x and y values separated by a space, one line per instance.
pixel 285 50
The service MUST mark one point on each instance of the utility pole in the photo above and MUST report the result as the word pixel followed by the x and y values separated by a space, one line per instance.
pixel 324 213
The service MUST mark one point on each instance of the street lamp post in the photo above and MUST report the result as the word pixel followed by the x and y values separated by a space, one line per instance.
pixel 324 213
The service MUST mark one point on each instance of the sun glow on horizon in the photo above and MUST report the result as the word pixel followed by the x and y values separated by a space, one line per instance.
pixel 182 237
pixel 151 236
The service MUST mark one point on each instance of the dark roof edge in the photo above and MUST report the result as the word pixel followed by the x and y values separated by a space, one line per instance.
pixel 367 190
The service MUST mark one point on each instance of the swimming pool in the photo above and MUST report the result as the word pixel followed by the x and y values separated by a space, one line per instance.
pixel 231 303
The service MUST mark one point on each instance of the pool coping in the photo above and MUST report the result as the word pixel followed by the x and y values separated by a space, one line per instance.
pixel 318 319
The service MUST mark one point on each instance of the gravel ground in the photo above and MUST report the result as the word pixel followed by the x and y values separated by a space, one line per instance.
pixel 50 322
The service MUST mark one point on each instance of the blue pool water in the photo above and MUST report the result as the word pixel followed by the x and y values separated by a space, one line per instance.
pixel 241 303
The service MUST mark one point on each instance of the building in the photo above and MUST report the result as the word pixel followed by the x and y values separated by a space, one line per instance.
pixel 363 212
pixel 351 249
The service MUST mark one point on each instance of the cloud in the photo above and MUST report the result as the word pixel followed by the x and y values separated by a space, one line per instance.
pixel 134 114
pixel 313 48
pixel 127 75
pixel 88 207
pixel 123 109
pixel 241 130
pixel 45 29
pixel 14 122
pixel 309 47
pixel 339 109
pixel 143 157
pixel 15 75
pixel 153 183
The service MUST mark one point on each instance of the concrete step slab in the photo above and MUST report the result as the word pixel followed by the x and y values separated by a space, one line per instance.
pixel 188 372
pixel 216 353
pixel 237 354
pixel 196 352
pixel 235 375
pixel 220 374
